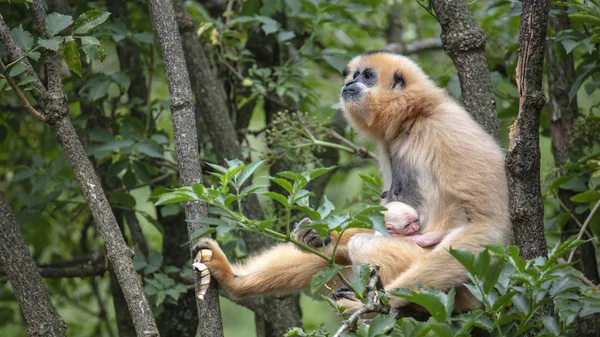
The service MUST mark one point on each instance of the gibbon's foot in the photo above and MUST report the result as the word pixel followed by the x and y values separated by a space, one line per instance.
pixel 309 236
pixel 202 253
pixel 343 293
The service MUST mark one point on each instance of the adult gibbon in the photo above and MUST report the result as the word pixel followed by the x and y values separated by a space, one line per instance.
pixel 432 156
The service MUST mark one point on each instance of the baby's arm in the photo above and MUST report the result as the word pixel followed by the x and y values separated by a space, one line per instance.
pixel 427 239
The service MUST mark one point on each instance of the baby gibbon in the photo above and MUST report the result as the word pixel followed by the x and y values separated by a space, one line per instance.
pixel 401 220
pixel 432 156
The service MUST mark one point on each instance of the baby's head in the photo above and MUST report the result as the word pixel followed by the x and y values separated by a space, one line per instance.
pixel 400 218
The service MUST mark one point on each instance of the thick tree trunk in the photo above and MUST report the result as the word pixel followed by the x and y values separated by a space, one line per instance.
pixel 464 41
pixel 186 143
pixel 523 159
pixel 15 258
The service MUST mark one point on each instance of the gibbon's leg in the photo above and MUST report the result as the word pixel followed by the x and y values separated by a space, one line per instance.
pixel 280 269
pixel 439 269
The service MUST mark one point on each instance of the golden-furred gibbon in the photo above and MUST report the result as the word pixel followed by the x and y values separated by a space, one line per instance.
pixel 432 156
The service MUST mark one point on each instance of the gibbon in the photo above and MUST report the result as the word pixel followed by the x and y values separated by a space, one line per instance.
pixel 432 156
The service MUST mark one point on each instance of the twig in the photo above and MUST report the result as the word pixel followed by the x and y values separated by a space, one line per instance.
pixel 151 182
pixel 415 47
pixel 584 227
pixel 21 96
pixel 368 307
pixel 357 149
pixel 582 277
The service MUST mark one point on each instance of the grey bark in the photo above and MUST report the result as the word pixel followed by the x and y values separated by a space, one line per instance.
pixel 186 143
pixel 463 40
pixel 523 158
pixel 561 75
pixel 55 109
pixel 15 258
pixel 94 265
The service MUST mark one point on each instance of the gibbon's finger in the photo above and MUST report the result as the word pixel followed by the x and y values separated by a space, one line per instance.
pixel 204 279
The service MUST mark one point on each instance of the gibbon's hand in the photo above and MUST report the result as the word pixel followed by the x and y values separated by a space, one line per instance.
pixel 308 236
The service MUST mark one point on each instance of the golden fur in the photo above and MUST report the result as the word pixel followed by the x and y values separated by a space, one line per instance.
pixel 461 170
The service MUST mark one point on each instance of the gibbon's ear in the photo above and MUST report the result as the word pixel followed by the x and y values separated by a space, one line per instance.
pixel 398 81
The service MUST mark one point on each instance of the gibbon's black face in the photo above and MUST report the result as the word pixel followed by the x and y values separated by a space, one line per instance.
pixel 356 87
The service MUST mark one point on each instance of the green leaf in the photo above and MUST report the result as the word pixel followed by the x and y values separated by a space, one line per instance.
pixel 71 55
pixel 326 208
pixel 117 167
pixel 586 18
pixel 155 258
pixel 320 171
pixel 92 48
pixel 551 324
pixel 89 20
pixel 360 278
pixel 569 45
pixel 323 276
pixel 251 189
pixel 201 232
pixel 248 171
pixel 141 171
pixel 466 258
pixel 17 69
pixel 122 79
pixel 285 35
pixel 51 44
pixel 56 22
pixel 99 90
pixel 278 197
pixel 586 197
pixel 150 149
pixel 283 183
pixel 26 80
pixel 579 81
pixel 139 261
pixel 123 199
pixel 171 198
pixel 381 324
pixel 438 304
pixel 22 38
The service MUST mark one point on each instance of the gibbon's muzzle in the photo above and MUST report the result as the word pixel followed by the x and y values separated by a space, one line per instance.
pixel 352 90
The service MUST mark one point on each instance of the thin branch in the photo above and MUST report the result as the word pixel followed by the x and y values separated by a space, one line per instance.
pixel 357 149
pixel 370 306
pixel 154 181
pixel 95 265
pixel 584 227
pixel 20 94
pixel 582 277
pixel 415 47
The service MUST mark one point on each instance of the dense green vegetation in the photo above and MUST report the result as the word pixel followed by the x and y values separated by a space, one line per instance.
pixel 279 64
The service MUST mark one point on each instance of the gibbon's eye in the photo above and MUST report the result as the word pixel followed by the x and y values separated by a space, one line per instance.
pixel 368 74
pixel 384 194
pixel 397 190
pixel 356 73
pixel 398 81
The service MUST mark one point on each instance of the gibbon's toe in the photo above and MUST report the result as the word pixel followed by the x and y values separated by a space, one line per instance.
pixel 198 247
pixel 343 293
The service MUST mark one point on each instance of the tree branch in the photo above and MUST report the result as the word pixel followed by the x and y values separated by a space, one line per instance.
pixel 371 305
pixel 38 310
pixel 523 158
pixel 95 265
pixel 363 152
pixel 415 47
pixel 464 41
pixel 20 94
pixel 186 143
